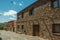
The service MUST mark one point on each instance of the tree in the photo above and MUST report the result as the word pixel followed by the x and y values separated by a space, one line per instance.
pixel 2 26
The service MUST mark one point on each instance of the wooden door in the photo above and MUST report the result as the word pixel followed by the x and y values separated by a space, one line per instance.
pixel 36 31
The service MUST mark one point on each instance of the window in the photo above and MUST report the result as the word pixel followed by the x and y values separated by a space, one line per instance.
pixel 18 17
pixel 22 14
pixel 56 28
pixel 56 3
pixel 59 2
pixel 31 12
pixel 22 27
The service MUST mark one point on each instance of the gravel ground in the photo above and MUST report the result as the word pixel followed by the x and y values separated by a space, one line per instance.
pixel 7 35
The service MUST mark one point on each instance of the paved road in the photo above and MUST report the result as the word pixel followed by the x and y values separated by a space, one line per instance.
pixel 7 35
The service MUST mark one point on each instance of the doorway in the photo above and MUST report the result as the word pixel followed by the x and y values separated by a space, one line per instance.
pixel 13 29
pixel 36 31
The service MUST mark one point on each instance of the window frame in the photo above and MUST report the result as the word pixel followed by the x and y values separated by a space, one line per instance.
pixel 22 27
pixel 31 11
pixel 54 28
pixel 52 3
pixel 18 17
pixel 22 15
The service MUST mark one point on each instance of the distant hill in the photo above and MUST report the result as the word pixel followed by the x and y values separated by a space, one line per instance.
pixel 1 24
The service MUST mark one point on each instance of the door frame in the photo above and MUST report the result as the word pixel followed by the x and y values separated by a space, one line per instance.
pixel 37 29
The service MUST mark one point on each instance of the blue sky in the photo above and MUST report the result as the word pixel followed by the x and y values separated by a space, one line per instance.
pixel 10 8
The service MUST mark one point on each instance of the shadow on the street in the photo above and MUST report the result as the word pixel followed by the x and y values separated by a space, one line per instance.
pixel 0 38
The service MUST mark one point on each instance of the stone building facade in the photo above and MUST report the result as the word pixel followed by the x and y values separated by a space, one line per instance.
pixel 42 18
pixel 6 26
pixel 12 25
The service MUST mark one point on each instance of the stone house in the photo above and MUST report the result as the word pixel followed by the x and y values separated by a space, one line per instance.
pixel 6 26
pixel 12 26
pixel 42 18
pixel 6 23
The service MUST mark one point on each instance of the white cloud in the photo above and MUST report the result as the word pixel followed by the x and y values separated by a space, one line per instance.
pixel 20 4
pixel 11 18
pixel 0 14
pixel 10 13
pixel 14 3
pixel 13 15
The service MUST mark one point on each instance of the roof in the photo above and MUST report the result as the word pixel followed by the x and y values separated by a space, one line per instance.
pixel 34 5
pixel 12 21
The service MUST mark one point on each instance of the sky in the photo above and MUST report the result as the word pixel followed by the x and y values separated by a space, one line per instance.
pixel 10 8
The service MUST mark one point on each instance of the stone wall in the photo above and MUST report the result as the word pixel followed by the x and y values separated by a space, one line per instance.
pixel 45 16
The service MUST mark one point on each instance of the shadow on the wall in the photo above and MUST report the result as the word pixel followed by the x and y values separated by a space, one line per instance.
pixel 0 38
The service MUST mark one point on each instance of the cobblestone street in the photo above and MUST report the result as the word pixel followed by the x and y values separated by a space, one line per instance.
pixel 7 35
